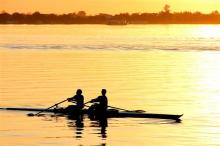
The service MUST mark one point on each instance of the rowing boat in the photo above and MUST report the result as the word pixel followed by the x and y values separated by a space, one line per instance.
pixel 111 113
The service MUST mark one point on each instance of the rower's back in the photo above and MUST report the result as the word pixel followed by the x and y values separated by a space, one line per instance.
pixel 103 101
pixel 99 109
pixel 78 99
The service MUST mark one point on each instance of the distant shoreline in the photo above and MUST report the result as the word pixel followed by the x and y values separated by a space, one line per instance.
pixel 163 17
pixel 114 25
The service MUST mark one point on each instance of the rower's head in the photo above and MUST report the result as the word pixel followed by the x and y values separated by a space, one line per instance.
pixel 79 92
pixel 104 91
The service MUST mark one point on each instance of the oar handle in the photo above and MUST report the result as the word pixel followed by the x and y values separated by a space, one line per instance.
pixel 50 107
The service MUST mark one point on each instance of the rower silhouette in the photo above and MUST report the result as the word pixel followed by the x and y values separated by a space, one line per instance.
pixel 99 108
pixel 78 101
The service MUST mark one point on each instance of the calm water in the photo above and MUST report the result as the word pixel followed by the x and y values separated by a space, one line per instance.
pixel 158 68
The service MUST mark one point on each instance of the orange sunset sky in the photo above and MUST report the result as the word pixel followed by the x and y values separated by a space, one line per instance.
pixel 106 6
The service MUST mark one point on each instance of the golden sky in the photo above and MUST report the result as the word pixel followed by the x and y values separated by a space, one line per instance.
pixel 107 6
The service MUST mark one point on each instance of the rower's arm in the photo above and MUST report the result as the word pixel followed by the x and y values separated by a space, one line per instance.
pixel 95 100
pixel 71 99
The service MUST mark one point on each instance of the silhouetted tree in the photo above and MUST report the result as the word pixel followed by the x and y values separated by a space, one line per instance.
pixel 215 13
pixel 166 8
pixel 81 14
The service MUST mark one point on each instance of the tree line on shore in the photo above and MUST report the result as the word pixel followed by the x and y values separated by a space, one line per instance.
pixel 162 17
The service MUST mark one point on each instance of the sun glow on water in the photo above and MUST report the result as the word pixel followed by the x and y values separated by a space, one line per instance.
pixel 208 83
pixel 209 31
pixel 210 71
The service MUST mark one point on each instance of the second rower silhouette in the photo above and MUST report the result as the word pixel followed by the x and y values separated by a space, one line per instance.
pixel 99 109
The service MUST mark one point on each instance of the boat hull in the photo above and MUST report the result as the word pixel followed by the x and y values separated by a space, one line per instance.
pixel 110 113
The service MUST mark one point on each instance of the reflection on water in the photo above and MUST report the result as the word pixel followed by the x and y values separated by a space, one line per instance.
pixel 76 124
pixel 102 124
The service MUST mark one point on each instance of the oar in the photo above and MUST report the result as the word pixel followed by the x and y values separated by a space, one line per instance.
pixel 138 111
pixel 87 102
pixel 31 114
